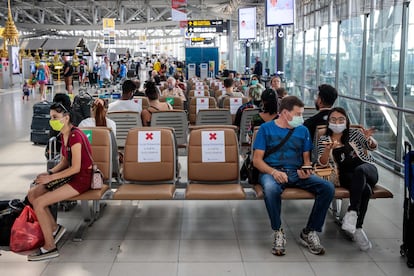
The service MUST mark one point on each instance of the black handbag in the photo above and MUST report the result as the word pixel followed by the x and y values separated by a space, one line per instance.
pixel 9 211
pixel 249 171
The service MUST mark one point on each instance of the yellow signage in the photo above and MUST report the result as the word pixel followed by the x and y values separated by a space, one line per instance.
pixel 108 23
pixel 197 39
pixel 197 23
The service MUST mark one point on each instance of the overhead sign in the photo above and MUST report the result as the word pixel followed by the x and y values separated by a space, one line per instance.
pixel 280 12
pixel 178 10
pixel 201 40
pixel 206 26
pixel 108 25
pixel 247 23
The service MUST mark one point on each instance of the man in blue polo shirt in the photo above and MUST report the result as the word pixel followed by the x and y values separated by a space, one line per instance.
pixel 286 168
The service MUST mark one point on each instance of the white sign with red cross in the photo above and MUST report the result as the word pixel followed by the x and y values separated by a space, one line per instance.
pixel 202 103
pixel 235 103
pixel 212 146
pixel 149 146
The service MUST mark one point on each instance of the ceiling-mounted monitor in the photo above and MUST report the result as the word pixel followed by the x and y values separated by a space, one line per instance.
pixel 247 23
pixel 280 12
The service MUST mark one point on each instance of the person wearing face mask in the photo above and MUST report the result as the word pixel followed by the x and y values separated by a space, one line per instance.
pixel 288 166
pixel 75 163
pixel 255 89
pixel 348 150
pixel 172 90
pixel 326 98
pixel 126 102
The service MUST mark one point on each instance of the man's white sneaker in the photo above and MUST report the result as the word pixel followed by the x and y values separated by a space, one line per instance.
pixel 279 243
pixel 362 240
pixel 349 222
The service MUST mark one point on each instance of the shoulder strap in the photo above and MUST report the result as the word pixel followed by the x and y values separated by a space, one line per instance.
pixel 85 145
pixel 278 146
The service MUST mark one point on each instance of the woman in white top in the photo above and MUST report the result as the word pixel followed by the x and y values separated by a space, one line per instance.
pixel 98 118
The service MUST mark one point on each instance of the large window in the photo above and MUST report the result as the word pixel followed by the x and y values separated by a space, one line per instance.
pixel 328 40
pixel 350 53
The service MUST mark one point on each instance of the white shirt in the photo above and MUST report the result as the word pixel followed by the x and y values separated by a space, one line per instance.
pixel 124 105
pixel 90 122
pixel 105 71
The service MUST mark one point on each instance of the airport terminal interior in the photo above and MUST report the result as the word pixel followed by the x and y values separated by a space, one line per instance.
pixel 363 48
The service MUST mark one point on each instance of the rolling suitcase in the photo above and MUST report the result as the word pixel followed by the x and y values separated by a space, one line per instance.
pixel 407 248
pixel 40 127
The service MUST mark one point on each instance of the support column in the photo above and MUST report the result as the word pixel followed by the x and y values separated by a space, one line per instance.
pixel 247 67
pixel 401 84
pixel 230 44
pixel 280 51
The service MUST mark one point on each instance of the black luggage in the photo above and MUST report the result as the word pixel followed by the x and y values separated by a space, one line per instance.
pixel 81 107
pixel 407 248
pixel 40 127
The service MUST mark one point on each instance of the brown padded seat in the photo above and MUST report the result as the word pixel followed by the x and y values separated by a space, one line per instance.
pixel 102 156
pixel 193 107
pixel 215 192
pixel 226 104
pixel 92 194
pixel 148 192
pixel 213 180
pixel 340 192
pixel 148 180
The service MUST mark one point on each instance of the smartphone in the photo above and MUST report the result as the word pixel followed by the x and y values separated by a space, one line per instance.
pixel 307 168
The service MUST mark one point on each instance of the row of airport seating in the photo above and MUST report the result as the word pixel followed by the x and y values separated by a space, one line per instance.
pixel 150 169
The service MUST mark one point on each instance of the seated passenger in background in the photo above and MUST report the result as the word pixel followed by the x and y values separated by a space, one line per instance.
pixel 249 104
pixel 275 82
pixel 126 103
pixel 155 77
pixel 348 149
pixel 255 88
pixel 173 90
pixel 228 85
pixel 154 104
pixel 283 168
pixel 325 100
pixel 281 93
pixel 238 83
pixel 268 111
pixel 98 116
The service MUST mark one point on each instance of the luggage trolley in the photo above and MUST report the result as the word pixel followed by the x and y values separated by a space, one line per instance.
pixel 407 248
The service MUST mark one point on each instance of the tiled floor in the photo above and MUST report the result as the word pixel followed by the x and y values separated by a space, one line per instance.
pixel 189 237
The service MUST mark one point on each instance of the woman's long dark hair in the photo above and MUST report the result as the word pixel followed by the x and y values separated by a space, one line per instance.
pixel 100 113
pixel 345 133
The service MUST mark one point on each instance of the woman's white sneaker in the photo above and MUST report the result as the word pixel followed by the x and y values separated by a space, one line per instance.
pixel 349 222
pixel 362 240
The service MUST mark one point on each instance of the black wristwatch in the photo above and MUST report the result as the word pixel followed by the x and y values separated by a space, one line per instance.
pixel 49 172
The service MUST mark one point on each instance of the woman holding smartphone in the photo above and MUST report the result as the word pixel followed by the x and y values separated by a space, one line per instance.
pixel 348 149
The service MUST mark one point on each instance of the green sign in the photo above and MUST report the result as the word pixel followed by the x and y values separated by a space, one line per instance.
pixel 88 134
pixel 170 100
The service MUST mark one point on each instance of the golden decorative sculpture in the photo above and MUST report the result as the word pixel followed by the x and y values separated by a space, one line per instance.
pixel 10 34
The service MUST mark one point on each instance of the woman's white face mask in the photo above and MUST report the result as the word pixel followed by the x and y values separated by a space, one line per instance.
pixel 337 128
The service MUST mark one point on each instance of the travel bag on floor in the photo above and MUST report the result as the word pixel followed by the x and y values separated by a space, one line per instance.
pixel 407 248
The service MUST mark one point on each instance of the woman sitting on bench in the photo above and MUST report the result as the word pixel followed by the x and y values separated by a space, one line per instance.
pixel 348 148
pixel 75 166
